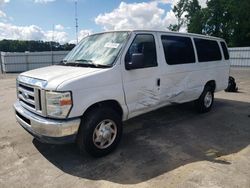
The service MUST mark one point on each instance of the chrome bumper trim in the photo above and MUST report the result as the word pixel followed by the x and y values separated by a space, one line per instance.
pixel 41 126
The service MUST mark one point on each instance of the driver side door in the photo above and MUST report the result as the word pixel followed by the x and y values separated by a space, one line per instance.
pixel 142 85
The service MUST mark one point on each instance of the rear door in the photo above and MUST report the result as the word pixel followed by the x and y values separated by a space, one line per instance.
pixel 141 85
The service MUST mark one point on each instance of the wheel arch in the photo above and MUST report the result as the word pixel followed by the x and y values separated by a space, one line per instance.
pixel 212 84
pixel 106 103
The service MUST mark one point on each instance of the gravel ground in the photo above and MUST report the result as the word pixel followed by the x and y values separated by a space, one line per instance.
pixel 171 147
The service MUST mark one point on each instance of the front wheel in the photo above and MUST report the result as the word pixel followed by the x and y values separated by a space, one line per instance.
pixel 205 101
pixel 100 132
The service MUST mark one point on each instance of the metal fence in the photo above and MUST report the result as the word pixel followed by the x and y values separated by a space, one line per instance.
pixel 20 62
pixel 12 62
pixel 240 56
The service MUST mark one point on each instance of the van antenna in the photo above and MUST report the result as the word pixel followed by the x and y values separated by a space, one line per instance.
pixel 51 44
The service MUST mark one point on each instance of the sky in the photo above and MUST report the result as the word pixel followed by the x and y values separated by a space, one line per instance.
pixel 55 19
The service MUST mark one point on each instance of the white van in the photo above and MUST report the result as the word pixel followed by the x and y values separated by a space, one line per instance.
pixel 113 76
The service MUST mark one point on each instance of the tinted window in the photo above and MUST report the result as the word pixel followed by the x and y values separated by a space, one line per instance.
pixel 208 50
pixel 145 44
pixel 225 51
pixel 178 50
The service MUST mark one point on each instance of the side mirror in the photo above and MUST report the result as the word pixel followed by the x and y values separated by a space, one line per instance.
pixel 136 63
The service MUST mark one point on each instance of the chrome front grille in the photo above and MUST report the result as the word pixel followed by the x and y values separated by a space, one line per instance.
pixel 31 94
pixel 30 97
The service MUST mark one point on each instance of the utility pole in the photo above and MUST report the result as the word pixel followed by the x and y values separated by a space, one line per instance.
pixel 76 20
pixel 1 63
pixel 51 45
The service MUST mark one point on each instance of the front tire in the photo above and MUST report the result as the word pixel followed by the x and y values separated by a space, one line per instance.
pixel 205 101
pixel 100 132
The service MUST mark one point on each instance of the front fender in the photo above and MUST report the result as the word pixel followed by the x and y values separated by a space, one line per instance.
pixel 83 99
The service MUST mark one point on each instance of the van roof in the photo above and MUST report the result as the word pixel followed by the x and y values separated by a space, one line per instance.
pixel 167 32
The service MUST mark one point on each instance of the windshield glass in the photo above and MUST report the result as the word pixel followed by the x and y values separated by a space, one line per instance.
pixel 99 49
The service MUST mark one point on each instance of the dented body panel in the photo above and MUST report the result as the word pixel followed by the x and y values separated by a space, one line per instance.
pixel 178 83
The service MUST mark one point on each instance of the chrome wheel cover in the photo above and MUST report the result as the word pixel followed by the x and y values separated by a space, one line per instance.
pixel 104 134
pixel 208 99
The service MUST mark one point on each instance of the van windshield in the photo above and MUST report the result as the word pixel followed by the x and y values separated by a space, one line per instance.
pixel 99 50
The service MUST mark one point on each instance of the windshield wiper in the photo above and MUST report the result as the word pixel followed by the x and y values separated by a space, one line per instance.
pixel 84 60
pixel 91 63
pixel 63 62
pixel 77 63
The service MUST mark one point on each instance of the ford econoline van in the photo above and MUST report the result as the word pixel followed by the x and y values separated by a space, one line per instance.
pixel 113 76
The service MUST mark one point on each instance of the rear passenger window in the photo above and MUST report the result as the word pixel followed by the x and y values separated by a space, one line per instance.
pixel 144 44
pixel 225 51
pixel 207 50
pixel 178 50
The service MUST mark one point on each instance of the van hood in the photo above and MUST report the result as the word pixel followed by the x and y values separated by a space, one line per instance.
pixel 55 75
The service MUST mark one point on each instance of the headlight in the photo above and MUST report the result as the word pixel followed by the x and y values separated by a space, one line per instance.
pixel 58 104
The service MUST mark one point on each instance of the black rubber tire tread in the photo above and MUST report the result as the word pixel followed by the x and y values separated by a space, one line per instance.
pixel 87 127
pixel 199 103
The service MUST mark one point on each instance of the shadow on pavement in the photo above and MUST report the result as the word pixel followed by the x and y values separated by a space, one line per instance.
pixel 161 141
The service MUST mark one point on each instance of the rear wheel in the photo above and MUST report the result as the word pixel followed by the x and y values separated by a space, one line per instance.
pixel 205 101
pixel 100 132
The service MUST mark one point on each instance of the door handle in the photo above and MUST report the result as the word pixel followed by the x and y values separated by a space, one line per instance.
pixel 158 82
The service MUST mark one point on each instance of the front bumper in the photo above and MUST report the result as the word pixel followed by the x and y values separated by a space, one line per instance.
pixel 45 129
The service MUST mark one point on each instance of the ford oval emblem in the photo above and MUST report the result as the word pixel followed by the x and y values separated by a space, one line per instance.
pixel 25 95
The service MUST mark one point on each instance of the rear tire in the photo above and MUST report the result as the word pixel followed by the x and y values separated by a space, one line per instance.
pixel 205 101
pixel 100 132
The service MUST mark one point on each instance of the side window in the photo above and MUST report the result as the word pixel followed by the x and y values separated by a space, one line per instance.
pixel 207 50
pixel 178 50
pixel 225 51
pixel 143 44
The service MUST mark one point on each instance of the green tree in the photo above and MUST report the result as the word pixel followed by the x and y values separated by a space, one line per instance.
pixel 218 19
pixel 228 19
pixel 194 17
pixel 240 23
pixel 179 10
pixel 32 46
pixel 173 27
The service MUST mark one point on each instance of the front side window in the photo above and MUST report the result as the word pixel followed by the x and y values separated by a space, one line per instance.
pixel 98 49
pixel 178 50
pixel 143 44
pixel 207 50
